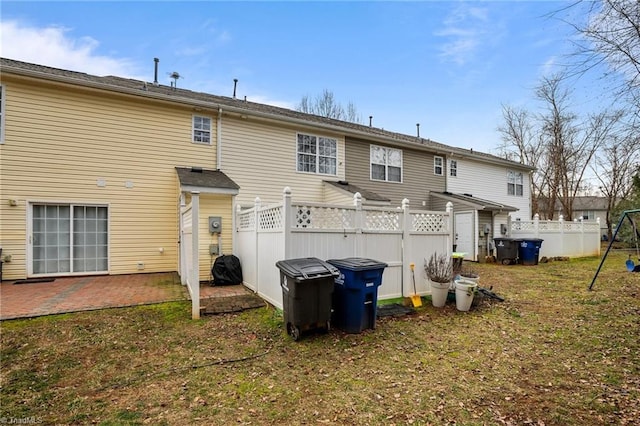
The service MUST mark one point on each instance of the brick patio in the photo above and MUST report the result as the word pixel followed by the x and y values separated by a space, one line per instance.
pixel 74 294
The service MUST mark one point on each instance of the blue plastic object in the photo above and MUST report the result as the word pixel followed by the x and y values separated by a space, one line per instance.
pixel 529 250
pixel 355 294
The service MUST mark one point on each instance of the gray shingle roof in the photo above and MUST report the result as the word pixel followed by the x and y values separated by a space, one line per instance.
pixel 204 178
pixel 179 95
pixel 477 203
pixel 367 195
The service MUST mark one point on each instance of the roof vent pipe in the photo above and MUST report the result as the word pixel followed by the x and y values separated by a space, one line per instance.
pixel 370 120
pixel 235 83
pixel 418 128
pixel 155 73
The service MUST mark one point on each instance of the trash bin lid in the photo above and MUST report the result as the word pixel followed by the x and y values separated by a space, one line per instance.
pixel 357 263
pixel 307 267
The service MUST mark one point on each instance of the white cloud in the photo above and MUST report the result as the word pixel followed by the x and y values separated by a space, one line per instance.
pixel 55 47
pixel 466 29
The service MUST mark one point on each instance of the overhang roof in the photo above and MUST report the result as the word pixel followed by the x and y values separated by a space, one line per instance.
pixel 352 189
pixel 474 202
pixel 205 181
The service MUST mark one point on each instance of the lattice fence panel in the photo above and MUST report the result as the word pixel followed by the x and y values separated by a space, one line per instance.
pixel 247 221
pixel 429 222
pixel 382 220
pixel 270 218
pixel 312 217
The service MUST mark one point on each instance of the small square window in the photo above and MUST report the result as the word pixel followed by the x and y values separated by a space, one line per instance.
pixel 453 168
pixel 201 130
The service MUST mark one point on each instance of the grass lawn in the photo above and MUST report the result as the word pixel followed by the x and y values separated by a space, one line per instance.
pixel 553 353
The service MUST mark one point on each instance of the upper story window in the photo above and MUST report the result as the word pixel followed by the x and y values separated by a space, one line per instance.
pixel 386 164
pixel 438 166
pixel 1 115
pixel 317 154
pixel 588 215
pixel 201 130
pixel 453 168
pixel 515 183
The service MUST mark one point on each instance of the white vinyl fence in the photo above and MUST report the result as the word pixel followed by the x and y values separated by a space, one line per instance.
pixel 396 236
pixel 189 266
pixel 560 238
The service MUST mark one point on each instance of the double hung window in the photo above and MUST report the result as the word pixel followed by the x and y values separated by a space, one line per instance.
pixel 386 163
pixel 316 154
pixel 438 166
pixel 515 183
pixel 201 131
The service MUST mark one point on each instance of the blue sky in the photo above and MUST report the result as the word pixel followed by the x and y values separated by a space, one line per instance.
pixel 448 65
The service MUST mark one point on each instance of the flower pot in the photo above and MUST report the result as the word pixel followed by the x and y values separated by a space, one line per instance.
pixel 439 292
pixel 465 291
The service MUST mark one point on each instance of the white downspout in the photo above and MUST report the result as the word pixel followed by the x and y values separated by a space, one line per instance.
pixel 219 141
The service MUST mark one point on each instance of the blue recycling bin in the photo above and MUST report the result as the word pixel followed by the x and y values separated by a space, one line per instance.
pixel 355 293
pixel 529 250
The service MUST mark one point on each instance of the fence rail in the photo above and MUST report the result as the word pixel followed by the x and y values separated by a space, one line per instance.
pixel 287 230
pixel 560 238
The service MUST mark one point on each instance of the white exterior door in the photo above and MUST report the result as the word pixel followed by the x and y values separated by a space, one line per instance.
pixel 464 234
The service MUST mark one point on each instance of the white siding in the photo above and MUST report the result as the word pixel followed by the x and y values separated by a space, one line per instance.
pixel 489 182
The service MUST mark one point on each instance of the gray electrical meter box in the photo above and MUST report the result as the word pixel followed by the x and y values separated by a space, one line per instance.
pixel 215 224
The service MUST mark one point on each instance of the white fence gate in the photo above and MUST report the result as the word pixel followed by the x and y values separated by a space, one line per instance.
pixel 398 237
pixel 189 266
pixel 561 238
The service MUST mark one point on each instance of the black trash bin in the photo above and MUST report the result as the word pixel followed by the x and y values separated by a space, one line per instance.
pixel 529 250
pixel 355 294
pixel 307 287
pixel 507 250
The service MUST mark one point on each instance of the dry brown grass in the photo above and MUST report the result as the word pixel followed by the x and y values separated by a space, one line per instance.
pixel 553 353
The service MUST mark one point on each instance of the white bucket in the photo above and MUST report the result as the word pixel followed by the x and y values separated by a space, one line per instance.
pixel 439 293
pixel 465 290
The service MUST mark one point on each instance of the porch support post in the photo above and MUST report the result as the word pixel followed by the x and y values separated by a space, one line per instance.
pixel 195 264
pixel 451 234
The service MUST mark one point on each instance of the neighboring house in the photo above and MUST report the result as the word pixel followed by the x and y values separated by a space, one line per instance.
pixel 94 171
pixel 586 208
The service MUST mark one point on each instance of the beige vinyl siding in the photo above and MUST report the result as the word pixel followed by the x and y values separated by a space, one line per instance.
pixel 261 158
pixel 60 141
pixel 214 205
pixel 417 174
pixel 335 196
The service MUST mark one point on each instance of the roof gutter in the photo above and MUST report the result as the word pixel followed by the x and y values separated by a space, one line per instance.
pixel 431 147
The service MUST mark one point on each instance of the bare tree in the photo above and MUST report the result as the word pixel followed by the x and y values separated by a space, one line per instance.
pixel 615 167
pixel 558 143
pixel 519 143
pixel 325 105
pixel 609 36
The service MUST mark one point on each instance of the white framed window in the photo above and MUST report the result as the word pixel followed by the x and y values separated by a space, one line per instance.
pixel 453 168
pixel 316 154
pixel 438 166
pixel 201 130
pixel 588 215
pixel 1 114
pixel 69 238
pixel 515 182
pixel 386 163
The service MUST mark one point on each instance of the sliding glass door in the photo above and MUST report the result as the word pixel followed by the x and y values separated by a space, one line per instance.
pixel 69 238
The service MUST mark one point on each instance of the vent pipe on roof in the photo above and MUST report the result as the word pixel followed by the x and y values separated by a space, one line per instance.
pixel 155 73
pixel 370 120
pixel 235 83
pixel 418 128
